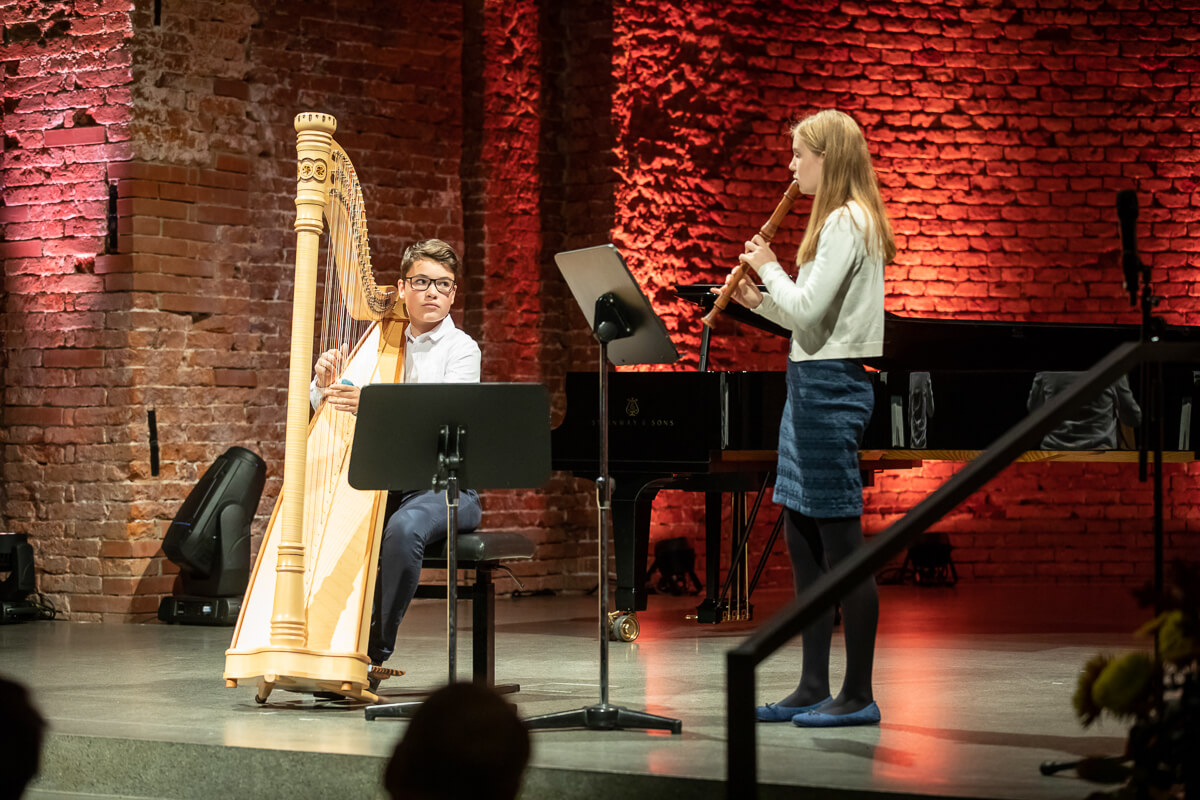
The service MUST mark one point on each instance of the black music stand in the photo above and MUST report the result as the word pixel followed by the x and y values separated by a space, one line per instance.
pixel 407 432
pixel 620 315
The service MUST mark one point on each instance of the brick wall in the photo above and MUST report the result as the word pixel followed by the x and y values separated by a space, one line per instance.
pixel 524 101
pixel 66 447
pixel 513 131
pixel 189 313
pixel 578 180
pixel 1001 136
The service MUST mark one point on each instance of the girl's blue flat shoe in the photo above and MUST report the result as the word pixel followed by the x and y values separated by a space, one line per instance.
pixel 776 713
pixel 815 719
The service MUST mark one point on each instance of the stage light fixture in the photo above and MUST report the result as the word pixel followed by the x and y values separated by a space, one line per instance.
pixel 210 541
pixel 16 558
pixel 675 561
pixel 929 561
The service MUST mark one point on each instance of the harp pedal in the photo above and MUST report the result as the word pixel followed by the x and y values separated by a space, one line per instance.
pixel 382 673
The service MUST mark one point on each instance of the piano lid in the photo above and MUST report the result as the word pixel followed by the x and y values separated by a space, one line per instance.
pixel 914 343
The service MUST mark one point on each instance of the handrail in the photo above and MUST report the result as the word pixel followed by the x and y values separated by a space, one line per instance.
pixel 741 767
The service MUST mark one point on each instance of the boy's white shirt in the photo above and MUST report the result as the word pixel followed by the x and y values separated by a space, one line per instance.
pixel 442 355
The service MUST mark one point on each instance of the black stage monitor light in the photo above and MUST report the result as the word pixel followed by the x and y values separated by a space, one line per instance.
pixel 210 541
pixel 16 559
pixel 675 560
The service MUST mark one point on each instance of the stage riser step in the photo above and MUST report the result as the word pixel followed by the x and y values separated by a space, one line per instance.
pixel 111 768
pixel 178 771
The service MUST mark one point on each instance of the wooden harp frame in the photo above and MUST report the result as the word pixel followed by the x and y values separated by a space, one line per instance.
pixel 305 619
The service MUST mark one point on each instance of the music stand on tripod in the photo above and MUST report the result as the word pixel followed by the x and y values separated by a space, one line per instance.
pixel 620 316
pixel 464 435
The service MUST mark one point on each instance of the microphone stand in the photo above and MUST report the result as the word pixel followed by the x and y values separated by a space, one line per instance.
pixel 1150 437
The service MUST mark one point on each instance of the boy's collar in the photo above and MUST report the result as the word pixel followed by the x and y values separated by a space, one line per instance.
pixel 435 333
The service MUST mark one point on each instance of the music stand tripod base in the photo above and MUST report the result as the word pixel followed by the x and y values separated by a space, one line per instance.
pixel 392 710
pixel 604 718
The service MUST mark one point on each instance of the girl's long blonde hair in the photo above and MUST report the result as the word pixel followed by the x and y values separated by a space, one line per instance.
pixel 846 175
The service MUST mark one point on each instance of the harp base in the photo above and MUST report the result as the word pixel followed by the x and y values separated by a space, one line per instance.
pixel 300 670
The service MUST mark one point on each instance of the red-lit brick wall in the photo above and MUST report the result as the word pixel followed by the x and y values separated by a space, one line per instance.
pixel 513 131
pixel 189 116
pixel 512 184
pixel 1001 136
pixel 68 354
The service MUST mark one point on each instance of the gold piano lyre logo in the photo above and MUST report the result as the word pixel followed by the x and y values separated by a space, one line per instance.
pixel 631 407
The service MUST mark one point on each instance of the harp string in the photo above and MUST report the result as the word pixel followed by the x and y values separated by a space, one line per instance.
pixel 341 332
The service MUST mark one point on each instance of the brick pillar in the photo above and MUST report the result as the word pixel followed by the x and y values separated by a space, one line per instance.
pixel 67 446
pixel 98 330
pixel 526 131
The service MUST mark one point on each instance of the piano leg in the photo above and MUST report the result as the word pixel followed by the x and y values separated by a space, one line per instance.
pixel 632 504
pixel 718 605
pixel 709 610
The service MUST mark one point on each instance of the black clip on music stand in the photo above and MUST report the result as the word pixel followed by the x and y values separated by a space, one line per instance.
pixel 620 315
pixel 405 429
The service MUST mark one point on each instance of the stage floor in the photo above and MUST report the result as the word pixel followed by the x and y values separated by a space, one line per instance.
pixel 974 683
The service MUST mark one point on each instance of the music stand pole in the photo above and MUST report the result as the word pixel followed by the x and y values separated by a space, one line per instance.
pixel 604 511
pixel 1152 393
pixel 452 569
pixel 449 457
pixel 610 324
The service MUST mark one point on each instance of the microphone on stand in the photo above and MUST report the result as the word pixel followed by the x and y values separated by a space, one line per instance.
pixel 1127 214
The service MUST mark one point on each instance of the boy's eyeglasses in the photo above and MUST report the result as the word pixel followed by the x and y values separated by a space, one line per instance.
pixel 420 283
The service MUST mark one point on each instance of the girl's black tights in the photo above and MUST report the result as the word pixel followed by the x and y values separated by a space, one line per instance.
pixel 814 545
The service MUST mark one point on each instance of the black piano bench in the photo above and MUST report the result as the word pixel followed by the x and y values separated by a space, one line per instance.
pixel 484 552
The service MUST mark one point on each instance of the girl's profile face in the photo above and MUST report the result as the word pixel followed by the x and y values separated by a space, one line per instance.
pixel 806 167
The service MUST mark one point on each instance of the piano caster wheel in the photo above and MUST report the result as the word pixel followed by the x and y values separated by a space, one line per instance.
pixel 623 627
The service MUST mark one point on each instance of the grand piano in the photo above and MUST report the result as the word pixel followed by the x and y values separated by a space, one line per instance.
pixel 716 432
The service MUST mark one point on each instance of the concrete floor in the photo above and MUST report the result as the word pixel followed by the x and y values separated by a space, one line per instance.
pixel 974 684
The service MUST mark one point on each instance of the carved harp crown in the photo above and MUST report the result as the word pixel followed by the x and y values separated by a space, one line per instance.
pixel 328 185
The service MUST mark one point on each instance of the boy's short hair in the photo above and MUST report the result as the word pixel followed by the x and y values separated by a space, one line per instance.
pixel 430 250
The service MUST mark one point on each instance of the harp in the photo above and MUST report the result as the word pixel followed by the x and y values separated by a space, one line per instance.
pixel 305 619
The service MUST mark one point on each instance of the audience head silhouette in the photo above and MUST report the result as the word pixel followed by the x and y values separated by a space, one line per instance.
pixel 463 742
pixel 20 739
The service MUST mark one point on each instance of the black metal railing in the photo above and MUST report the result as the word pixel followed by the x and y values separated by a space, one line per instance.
pixel 741 745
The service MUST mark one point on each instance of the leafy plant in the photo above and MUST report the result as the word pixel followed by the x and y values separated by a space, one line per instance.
pixel 1159 696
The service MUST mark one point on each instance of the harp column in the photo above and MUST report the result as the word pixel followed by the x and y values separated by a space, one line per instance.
pixel 314 141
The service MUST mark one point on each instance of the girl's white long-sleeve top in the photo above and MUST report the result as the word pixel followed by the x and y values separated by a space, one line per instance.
pixel 835 306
